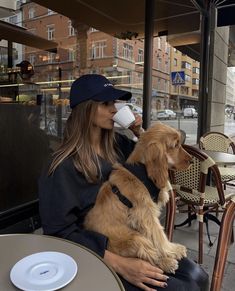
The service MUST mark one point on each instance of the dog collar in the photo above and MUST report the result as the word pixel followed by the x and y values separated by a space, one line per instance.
pixel 140 172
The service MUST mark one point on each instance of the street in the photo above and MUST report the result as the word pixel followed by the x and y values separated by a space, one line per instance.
pixel 190 127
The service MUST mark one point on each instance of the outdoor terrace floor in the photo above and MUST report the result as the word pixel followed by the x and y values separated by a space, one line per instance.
pixel 189 237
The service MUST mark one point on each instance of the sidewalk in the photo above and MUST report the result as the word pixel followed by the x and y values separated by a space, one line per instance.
pixel 188 236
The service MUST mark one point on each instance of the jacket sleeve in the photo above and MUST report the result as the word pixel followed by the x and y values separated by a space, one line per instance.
pixel 65 197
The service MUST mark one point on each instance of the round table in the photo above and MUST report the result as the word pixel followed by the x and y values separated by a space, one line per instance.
pixel 93 273
pixel 221 158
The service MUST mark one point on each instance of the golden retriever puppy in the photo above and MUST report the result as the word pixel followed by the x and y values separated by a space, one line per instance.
pixel 124 210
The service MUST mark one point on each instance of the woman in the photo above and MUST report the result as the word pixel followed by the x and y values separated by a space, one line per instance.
pixel 80 166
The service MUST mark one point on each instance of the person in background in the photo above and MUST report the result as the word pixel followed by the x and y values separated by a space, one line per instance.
pixel 82 163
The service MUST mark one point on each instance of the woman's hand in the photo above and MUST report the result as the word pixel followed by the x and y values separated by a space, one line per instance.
pixel 136 127
pixel 137 271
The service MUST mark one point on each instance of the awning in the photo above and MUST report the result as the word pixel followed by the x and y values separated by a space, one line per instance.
pixel 20 35
pixel 187 43
pixel 126 18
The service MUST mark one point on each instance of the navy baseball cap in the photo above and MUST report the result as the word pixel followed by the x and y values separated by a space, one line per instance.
pixel 95 87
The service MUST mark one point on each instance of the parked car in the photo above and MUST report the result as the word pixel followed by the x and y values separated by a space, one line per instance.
pixel 190 113
pixel 166 114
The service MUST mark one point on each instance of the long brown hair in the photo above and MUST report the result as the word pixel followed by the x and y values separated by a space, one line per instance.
pixel 77 143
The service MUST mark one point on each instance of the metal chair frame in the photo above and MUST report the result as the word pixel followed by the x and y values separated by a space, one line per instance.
pixel 223 245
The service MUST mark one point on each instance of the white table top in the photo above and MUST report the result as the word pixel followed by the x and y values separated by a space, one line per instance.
pixel 93 273
pixel 221 158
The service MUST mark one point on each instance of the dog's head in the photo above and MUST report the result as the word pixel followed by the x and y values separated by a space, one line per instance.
pixel 159 148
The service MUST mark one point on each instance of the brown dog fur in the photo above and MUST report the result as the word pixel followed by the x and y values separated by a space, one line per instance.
pixel 136 231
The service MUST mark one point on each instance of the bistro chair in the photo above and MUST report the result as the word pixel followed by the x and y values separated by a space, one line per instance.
pixel 191 187
pixel 223 244
pixel 219 142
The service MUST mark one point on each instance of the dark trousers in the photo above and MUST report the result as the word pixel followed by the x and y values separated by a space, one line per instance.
pixel 188 277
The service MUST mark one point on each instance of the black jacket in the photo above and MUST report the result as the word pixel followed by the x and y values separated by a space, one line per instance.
pixel 65 197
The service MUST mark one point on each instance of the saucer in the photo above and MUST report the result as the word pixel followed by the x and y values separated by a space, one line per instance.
pixel 44 271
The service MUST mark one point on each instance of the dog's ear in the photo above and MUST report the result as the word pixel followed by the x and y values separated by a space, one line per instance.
pixel 156 164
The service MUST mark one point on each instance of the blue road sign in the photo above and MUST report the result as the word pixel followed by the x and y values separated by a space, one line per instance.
pixel 178 78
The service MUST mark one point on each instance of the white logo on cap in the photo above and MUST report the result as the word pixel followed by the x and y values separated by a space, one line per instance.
pixel 108 84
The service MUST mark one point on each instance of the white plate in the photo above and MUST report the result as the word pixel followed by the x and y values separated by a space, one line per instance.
pixel 45 271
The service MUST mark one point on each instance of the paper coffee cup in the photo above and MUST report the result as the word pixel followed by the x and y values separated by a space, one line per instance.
pixel 124 117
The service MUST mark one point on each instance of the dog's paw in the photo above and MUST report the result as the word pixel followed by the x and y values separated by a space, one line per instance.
pixel 179 251
pixel 168 265
pixel 163 197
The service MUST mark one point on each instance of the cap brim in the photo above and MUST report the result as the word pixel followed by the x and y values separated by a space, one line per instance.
pixel 111 94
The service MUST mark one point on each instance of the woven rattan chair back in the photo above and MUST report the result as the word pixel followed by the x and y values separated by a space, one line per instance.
pixel 193 181
pixel 217 141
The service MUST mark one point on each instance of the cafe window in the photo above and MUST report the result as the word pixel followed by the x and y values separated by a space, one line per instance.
pixel 32 59
pixel 50 58
pixel 127 51
pixel 98 49
pixel 50 32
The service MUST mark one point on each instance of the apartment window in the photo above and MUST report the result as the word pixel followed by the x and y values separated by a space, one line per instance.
pixel 159 63
pixel 127 51
pixel 50 12
pixel 159 83
pixel 32 59
pixel 167 48
pixel 195 81
pixel 175 62
pixel 158 43
pixel 50 32
pixel 186 65
pixel 71 29
pixel 166 66
pixel 13 19
pixel 31 13
pixel 98 49
pixel 196 70
pixel 140 55
pixel 140 77
pixel 71 55
pixel 166 86
pixel 93 29
pixel 187 78
pixel 184 90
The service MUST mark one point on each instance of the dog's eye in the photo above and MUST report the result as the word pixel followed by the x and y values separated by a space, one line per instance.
pixel 177 145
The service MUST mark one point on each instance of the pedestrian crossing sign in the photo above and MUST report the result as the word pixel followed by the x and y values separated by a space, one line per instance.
pixel 178 78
